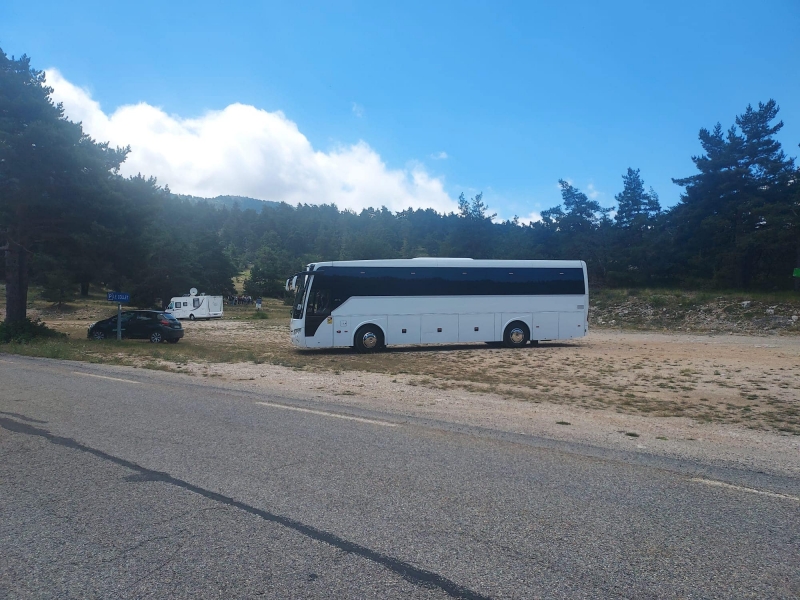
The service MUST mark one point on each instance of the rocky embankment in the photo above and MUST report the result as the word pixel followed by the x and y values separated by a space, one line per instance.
pixel 692 312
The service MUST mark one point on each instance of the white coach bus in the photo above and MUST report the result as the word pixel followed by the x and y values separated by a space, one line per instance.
pixel 371 304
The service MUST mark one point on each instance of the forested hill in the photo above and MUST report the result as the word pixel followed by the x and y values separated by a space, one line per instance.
pixel 242 202
pixel 69 220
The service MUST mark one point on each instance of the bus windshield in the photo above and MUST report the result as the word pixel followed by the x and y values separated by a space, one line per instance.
pixel 299 296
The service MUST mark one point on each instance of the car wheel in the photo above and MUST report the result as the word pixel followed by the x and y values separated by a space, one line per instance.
pixel 191 317
pixel 516 335
pixel 368 339
pixel 155 337
pixel 98 335
pixel 173 341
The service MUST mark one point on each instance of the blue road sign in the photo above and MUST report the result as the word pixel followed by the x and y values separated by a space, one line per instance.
pixel 118 297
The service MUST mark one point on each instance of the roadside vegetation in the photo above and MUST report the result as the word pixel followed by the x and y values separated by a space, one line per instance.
pixel 26 330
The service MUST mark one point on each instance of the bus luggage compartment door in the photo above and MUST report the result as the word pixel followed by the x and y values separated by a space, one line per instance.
pixel 439 329
pixel 403 329
pixel 571 325
pixel 476 328
pixel 545 326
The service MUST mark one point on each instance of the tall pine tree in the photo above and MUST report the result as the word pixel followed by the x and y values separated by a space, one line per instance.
pixel 52 175
pixel 734 204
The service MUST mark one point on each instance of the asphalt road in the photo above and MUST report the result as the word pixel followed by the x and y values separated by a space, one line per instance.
pixel 124 483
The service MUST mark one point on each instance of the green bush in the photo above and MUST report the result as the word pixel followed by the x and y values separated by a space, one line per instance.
pixel 25 331
pixel 658 301
pixel 259 314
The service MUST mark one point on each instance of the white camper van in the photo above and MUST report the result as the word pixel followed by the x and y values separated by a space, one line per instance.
pixel 195 307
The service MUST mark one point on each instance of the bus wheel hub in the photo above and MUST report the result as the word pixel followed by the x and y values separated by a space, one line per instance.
pixel 370 340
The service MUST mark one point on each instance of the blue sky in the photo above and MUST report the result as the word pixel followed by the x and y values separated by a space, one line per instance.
pixel 516 94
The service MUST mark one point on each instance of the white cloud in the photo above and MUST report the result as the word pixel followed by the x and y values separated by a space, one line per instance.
pixel 242 150
pixel 531 218
pixel 592 192
pixel 358 110
pixel 439 155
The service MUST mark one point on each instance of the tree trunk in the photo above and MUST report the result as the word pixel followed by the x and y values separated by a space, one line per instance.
pixel 84 289
pixel 16 283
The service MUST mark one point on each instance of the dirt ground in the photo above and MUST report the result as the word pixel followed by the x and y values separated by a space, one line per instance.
pixel 735 398
pixel 753 381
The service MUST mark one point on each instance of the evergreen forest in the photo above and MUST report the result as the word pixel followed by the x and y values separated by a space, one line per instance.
pixel 69 220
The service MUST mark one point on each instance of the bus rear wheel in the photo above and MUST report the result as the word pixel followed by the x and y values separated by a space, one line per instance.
pixel 516 335
pixel 368 339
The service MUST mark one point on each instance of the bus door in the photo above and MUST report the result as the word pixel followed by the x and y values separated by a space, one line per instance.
pixel 318 321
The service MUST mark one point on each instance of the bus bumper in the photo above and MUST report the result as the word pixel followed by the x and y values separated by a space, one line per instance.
pixel 296 329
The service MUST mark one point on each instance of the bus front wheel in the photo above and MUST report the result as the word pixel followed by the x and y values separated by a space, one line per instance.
pixel 368 339
pixel 516 335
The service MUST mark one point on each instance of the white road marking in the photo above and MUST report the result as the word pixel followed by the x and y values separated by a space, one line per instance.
pixel 739 488
pixel 105 377
pixel 329 414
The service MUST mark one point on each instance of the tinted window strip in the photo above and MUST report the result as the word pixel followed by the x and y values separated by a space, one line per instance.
pixel 345 282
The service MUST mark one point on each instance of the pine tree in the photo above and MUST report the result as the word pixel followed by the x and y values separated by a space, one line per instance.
pixel 733 205
pixel 635 206
pixel 52 175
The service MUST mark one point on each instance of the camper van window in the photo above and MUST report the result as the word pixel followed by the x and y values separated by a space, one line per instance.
pixel 186 304
pixel 196 302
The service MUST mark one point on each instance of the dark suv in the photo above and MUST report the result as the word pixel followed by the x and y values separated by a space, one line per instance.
pixel 152 325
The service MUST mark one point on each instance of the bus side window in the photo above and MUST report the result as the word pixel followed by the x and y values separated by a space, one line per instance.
pixel 320 302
